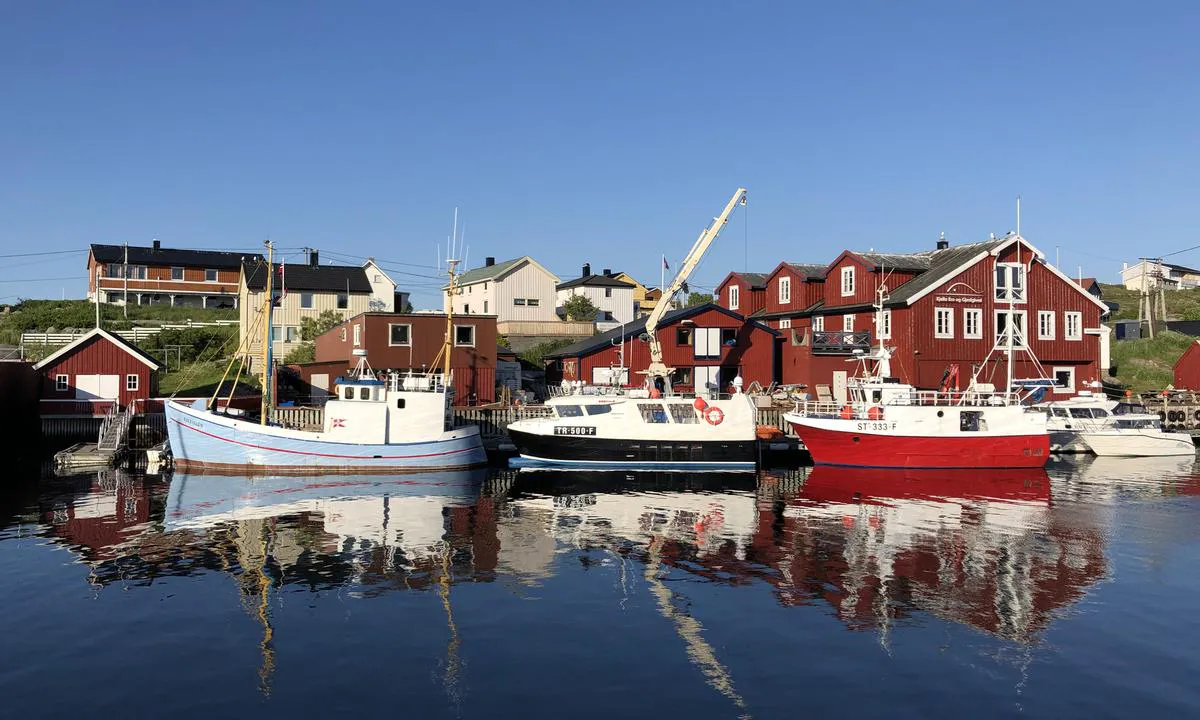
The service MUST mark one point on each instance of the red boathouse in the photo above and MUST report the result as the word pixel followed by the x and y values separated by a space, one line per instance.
pixel 85 377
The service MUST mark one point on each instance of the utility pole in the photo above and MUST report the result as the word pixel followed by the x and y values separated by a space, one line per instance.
pixel 124 274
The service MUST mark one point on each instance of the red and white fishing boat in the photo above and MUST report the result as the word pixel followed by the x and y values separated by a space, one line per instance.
pixel 887 423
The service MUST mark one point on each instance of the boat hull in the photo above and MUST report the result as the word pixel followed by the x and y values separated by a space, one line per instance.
pixel 203 443
pixel 859 449
pixel 1067 441
pixel 619 453
pixel 1150 443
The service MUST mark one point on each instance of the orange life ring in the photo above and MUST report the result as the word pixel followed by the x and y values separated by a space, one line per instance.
pixel 714 416
pixel 699 404
pixel 874 413
pixel 847 412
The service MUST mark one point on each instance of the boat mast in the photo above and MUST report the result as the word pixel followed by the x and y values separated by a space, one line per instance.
pixel 1012 318
pixel 443 356
pixel 656 367
pixel 266 344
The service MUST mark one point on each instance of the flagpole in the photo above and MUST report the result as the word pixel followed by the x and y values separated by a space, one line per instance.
pixel 662 278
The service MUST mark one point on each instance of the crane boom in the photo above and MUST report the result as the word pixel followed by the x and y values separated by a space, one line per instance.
pixel 707 236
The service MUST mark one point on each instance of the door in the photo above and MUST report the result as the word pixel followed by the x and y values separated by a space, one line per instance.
pixel 839 385
pixel 97 387
pixel 320 389
pixel 704 376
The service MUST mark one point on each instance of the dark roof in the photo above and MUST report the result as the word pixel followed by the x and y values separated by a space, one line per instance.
pixel 638 326
pixel 1183 269
pixel 757 281
pixel 898 261
pixel 487 272
pixel 593 281
pixel 139 255
pixel 808 270
pixel 942 264
pixel 316 278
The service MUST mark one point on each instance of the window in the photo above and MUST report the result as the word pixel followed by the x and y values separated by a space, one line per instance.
pixel 343 301
pixel 131 383
pixel 847 281
pixel 349 393
pixel 378 278
pixel 1018 327
pixel 885 325
pixel 652 412
pixel 114 270
pixel 176 273
pixel 1010 282
pixel 464 335
pixel 276 333
pixel 399 403
pixel 728 336
pixel 848 323
pixel 971 421
pixel 485 307
pixel 973 324
pixel 785 290
pixel 62 383
pixel 114 297
pixel 707 343
pixel 210 276
pixel 681 376
pixel 306 300
pixel 293 334
pixel 519 301
pixel 357 334
pixel 569 411
pixel 1073 325
pixel 683 413
pixel 818 323
pixel 598 409
pixel 943 322
pixel 1064 379
pixel 399 334
pixel 364 393
pixel 785 323
pixel 532 302
pixel 734 292
pixel 466 308
pixel 607 292
pixel 683 336
pixel 1045 324
pixel 342 334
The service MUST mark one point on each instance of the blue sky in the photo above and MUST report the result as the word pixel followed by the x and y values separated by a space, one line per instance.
pixel 594 132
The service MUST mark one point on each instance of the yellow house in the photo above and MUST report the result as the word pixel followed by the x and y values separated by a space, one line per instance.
pixel 640 306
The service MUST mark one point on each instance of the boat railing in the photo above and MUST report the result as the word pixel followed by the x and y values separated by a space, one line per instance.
pixel 416 382
pixel 917 398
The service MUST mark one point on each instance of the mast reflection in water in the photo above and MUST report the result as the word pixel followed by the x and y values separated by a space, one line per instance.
pixel 477 593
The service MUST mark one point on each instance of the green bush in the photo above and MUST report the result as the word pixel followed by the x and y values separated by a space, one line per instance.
pixel 194 343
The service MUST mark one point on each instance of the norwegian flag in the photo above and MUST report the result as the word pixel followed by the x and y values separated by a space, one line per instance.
pixel 665 265
pixel 337 422
pixel 282 282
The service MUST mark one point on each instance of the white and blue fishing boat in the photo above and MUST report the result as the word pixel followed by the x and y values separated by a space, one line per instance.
pixel 400 423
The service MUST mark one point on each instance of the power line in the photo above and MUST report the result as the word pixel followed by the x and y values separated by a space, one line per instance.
pixel 1178 252
pixel 31 280
pixel 51 252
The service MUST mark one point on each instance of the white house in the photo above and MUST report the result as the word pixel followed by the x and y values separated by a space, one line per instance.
pixel 518 290
pixel 1147 275
pixel 612 297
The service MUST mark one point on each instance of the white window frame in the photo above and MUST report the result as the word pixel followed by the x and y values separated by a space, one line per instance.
pixel 1002 291
pixel 884 331
pixel 785 324
pixel 977 313
pixel 1077 335
pixel 532 302
pixel 357 334
pixel 464 344
pixel 848 323
pixel 215 276
pixel 1045 325
pixel 948 313
pixel 734 296
pixel 392 342
pixel 818 323
pixel 1070 389
pixel 182 273
pixel 519 302
pixel 291 333
pixel 706 342
pixel 847 281
pixel 1023 340
pixel 62 383
pixel 785 290
pixel 131 382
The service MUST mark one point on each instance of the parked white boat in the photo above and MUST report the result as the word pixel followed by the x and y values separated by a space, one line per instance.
pixel 1067 418
pixel 1137 436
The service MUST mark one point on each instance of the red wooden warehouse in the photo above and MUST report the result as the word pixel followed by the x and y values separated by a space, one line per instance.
pixel 410 341
pixel 707 344
pixel 742 292
pixel 1187 368
pixel 86 376
pixel 945 308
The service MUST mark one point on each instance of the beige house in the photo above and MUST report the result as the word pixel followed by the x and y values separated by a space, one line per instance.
pixel 519 292
pixel 307 290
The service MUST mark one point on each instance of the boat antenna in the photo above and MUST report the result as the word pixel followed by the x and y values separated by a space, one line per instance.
pixel 266 349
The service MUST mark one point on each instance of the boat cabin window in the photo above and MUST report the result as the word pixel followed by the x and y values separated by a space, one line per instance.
pixel 1060 412
pixel 364 393
pixel 348 393
pixel 399 403
pixel 683 413
pixel 1083 413
pixel 971 421
pixel 652 412
pixel 1137 423
pixel 598 409
pixel 569 410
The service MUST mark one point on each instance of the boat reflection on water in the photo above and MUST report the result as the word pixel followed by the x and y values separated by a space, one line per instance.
pixel 1101 479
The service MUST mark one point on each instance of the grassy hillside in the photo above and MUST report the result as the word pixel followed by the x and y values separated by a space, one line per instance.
pixel 1181 304
pixel 41 315
pixel 1148 364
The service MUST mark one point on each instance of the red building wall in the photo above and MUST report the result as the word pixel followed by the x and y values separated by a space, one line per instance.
pixel 1187 368
pixel 750 300
pixel 753 354
pixel 158 279
pixel 805 291
pixel 99 356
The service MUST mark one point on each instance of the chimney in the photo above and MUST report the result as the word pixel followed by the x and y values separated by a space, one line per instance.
pixel 489 261
pixel 312 258
pixel 587 269
pixel 942 242
pixel 607 272
pixel 157 245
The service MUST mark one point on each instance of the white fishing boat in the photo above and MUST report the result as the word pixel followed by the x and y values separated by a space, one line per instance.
pixel 1139 435
pixel 401 423
pixel 651 427
pixel 1065 420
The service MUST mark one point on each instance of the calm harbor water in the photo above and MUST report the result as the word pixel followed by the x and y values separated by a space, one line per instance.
pixel 1065 593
